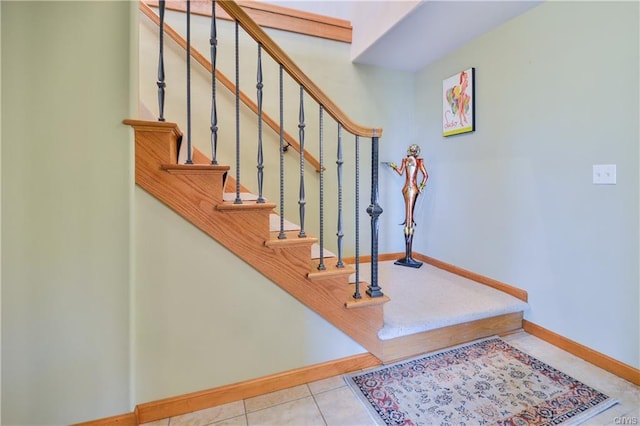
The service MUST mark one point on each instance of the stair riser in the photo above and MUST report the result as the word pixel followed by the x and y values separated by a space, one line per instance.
pixel 415 344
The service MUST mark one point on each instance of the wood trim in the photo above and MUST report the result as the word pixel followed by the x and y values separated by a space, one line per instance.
pixel 330 270
pixel 246 205
pixel 194 169
pixel 365 300
pixel 258 34
pixel 291 240
pixel 128 419
pixel 163 130
pixel 188 403
pixel 601 360
pixel 351 260
pixel 505 288
pixel 276 17
pixel 226 82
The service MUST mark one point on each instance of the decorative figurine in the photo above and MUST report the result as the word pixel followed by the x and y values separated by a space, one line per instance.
pixel 411 164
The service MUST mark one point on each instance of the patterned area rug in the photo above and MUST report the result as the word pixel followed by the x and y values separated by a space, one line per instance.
pixel 484 382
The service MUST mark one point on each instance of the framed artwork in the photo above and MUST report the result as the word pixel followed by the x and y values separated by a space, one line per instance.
pixel 458 103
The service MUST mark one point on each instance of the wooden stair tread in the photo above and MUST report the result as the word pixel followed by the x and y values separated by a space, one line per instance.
pixel 194 168
pixel 245 205
pixel 292 239
pixel 366 300
pixel 330 271
pixel 148 125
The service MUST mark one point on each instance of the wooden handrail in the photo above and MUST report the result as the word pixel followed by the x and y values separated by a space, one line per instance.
pixel 234 10
pixel 200 58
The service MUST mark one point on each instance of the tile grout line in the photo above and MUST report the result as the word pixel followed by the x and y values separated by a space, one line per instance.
pixel 245 413
pixel 278 404
pixel 317 406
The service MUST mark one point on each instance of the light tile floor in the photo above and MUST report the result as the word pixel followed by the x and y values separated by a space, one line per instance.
pixel 331 402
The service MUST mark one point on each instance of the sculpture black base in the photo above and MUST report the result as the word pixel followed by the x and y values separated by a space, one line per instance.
pixel 408 261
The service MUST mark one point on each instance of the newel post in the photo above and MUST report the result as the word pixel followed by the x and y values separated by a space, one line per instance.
pixel 374 210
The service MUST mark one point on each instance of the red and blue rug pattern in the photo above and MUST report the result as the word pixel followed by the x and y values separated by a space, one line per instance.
pixel 481 383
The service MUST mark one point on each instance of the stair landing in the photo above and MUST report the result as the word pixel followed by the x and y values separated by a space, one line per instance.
pixel 431 308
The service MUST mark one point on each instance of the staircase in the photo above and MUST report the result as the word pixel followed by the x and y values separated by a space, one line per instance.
pixel 196 192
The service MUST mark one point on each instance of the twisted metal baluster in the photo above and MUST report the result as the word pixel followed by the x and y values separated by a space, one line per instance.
pixel 374 211
pixel 213 41
pixel 301 200
pixel 161 83
pixel 321 266
pixel 238 200
pixel 340 233
pixel 356 294
pixel 189 160
pixel 281 235
pixel 259 86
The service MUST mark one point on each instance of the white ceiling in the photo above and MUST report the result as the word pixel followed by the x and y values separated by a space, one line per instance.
pixel 434 28
pixel 423 31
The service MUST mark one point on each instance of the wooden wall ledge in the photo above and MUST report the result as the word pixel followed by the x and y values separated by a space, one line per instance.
pixel 272 16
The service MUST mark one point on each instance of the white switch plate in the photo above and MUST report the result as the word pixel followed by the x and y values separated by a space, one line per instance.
pixel 604 174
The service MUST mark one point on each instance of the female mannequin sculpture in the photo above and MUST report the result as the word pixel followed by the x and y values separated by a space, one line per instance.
pixel 411 165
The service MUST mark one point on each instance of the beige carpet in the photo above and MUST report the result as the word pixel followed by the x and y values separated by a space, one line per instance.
pixel 428 298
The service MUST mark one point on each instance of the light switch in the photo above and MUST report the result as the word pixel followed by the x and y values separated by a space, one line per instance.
pixel 604 174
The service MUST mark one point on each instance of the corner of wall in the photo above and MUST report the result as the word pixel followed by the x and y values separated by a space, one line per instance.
pixel 371 20
pixel 134 96
pixel 0 215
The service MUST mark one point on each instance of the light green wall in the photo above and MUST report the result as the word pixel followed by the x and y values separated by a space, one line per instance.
pixel 557 92
pixel 65 211
pixel 204 318
pixel 0 217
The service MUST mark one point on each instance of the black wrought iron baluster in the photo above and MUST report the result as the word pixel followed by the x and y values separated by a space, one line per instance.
pixel 301 201
pixel 161 82
pixel 281 235
pixel 238 200
pixel 340 233
pixel 356 294
pixel 260 166
pixel 189 159
pixel 213 41
pixel 321 265
pixel 374 211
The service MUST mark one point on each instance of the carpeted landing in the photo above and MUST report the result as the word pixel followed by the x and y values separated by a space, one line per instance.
pixel 428 298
